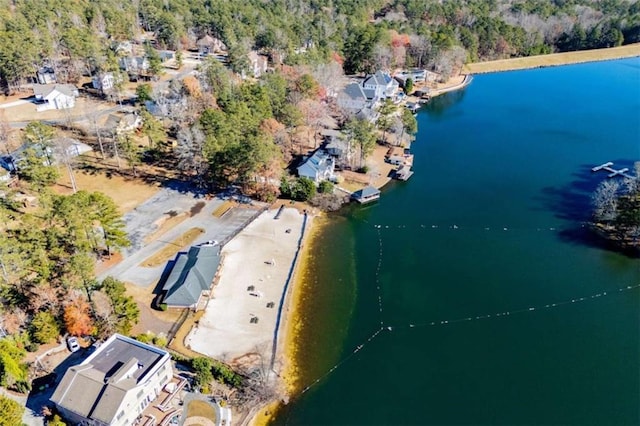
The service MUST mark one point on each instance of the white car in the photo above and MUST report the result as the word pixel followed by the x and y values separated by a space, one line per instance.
pixel 73 344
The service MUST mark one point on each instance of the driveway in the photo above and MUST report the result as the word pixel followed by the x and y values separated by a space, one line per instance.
pixel 15 103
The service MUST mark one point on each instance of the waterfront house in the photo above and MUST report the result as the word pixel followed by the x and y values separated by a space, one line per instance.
pixel 318 167
pixel 418 76
pixel 115 384
pixel 191 279
pixel 380 85
pixel 367 194
pixel 54 96
pixel 352 98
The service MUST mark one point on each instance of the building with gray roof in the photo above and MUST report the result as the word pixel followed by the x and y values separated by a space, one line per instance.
pixel 366 195
pixel 380 85
pixel 54 96
pixel 189 283
pixel 318 167
pixel 352 98
pixel 114 384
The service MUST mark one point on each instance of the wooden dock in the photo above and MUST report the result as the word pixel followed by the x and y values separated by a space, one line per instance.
pixel 403 173
pixel 613 172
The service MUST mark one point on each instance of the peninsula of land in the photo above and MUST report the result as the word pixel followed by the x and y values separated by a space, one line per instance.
pixel 553 59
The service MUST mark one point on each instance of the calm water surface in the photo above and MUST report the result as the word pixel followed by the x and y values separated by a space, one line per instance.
pixel 490 222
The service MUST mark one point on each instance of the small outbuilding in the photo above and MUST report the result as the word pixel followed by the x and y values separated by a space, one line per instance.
pixel 366 195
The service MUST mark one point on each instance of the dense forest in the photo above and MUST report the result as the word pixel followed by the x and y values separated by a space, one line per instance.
pixel 367 34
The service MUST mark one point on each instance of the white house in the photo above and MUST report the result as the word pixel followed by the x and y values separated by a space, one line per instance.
pixel 55 96
pixel 114 385
pixel 257 63
pixel 417 75
pixel 103 82
pixel 318 167
pixel 381 84
pixel 46 75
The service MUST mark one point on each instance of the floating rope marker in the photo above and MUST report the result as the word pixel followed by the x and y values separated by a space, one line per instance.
pixel 443 322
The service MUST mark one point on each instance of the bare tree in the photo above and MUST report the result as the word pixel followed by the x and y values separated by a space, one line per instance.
pixel 43 296
pixel 330 77
pixel 93 118
pixel 450 61
pixel 382 56
pixel 419 50
pixel 64 148
pixel 605 200
pixel 192 160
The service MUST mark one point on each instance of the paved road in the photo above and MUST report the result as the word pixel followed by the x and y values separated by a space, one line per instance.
pixel 76 119
pixel 140 224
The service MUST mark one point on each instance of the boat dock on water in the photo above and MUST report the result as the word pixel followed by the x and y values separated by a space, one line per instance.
pixel 403 173
pixel 613 172
pixel 368 194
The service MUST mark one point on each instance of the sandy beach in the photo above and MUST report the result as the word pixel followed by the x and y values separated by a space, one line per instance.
pixel 554 59
pixel 239 323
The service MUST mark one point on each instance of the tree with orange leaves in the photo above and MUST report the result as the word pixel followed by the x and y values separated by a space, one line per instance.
pixel 77 319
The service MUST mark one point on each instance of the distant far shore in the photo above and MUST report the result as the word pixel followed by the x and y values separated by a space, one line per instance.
pixel 553 59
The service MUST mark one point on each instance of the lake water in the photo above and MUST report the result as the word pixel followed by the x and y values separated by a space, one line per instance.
pixel 491 222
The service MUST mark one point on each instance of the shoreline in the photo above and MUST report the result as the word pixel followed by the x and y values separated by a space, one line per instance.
pixel 289 327
pixel 289 371
pixel 553 59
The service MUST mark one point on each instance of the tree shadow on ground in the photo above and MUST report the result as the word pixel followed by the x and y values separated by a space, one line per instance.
pixel 573 203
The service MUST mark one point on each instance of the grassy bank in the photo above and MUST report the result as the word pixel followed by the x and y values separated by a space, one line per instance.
pixel 553 59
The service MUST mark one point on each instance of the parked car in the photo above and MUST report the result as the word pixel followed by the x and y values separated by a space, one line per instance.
pixel 73 344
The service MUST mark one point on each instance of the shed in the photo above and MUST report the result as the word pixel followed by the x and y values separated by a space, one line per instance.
pixel 366 195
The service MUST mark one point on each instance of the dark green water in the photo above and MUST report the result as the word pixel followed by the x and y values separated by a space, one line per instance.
pixel 512 153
